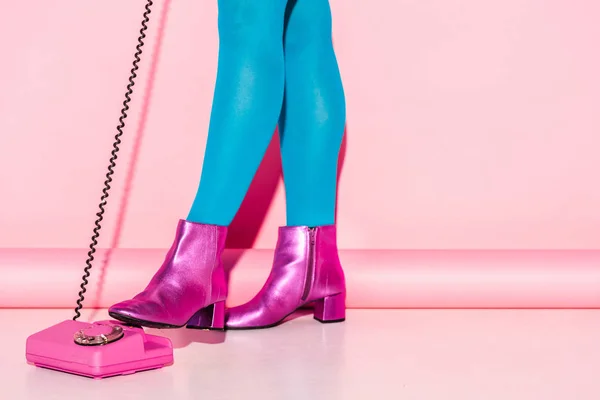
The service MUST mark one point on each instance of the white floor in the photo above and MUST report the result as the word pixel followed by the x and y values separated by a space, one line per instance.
pixel 376 354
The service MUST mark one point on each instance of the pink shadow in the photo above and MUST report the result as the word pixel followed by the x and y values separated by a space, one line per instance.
pixel 250 217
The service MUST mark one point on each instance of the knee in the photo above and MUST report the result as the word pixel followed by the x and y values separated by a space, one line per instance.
pixel 247 22
pixel 308 25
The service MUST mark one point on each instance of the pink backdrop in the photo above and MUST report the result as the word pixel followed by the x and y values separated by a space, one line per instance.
pixel 470 124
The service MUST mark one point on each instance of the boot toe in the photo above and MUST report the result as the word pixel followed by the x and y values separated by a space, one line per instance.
pixel 135 310
pixel 246 317
pixel 239 318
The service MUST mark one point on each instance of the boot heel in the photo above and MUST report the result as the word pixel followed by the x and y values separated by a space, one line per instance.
pixel 331 309
pixel 211 318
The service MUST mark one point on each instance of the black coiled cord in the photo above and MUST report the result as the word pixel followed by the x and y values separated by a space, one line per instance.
pixel 113 158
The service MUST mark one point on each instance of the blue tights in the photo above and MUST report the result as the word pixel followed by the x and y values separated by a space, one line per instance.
pixel 276 64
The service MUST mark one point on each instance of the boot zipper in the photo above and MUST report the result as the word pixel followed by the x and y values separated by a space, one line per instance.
pixel 311 263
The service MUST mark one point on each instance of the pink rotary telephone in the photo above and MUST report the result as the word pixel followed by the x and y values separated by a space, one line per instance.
pixel 98 350
pixel 106 348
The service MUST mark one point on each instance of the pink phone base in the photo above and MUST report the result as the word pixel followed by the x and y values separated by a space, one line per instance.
pixel 131 351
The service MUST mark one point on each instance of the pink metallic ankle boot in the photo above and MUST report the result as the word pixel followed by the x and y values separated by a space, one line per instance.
pixel 306 269
pixel 190 287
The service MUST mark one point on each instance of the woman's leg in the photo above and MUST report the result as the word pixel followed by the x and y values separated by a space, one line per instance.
pixel 247 102
pixel 306 267
pixel 313 118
